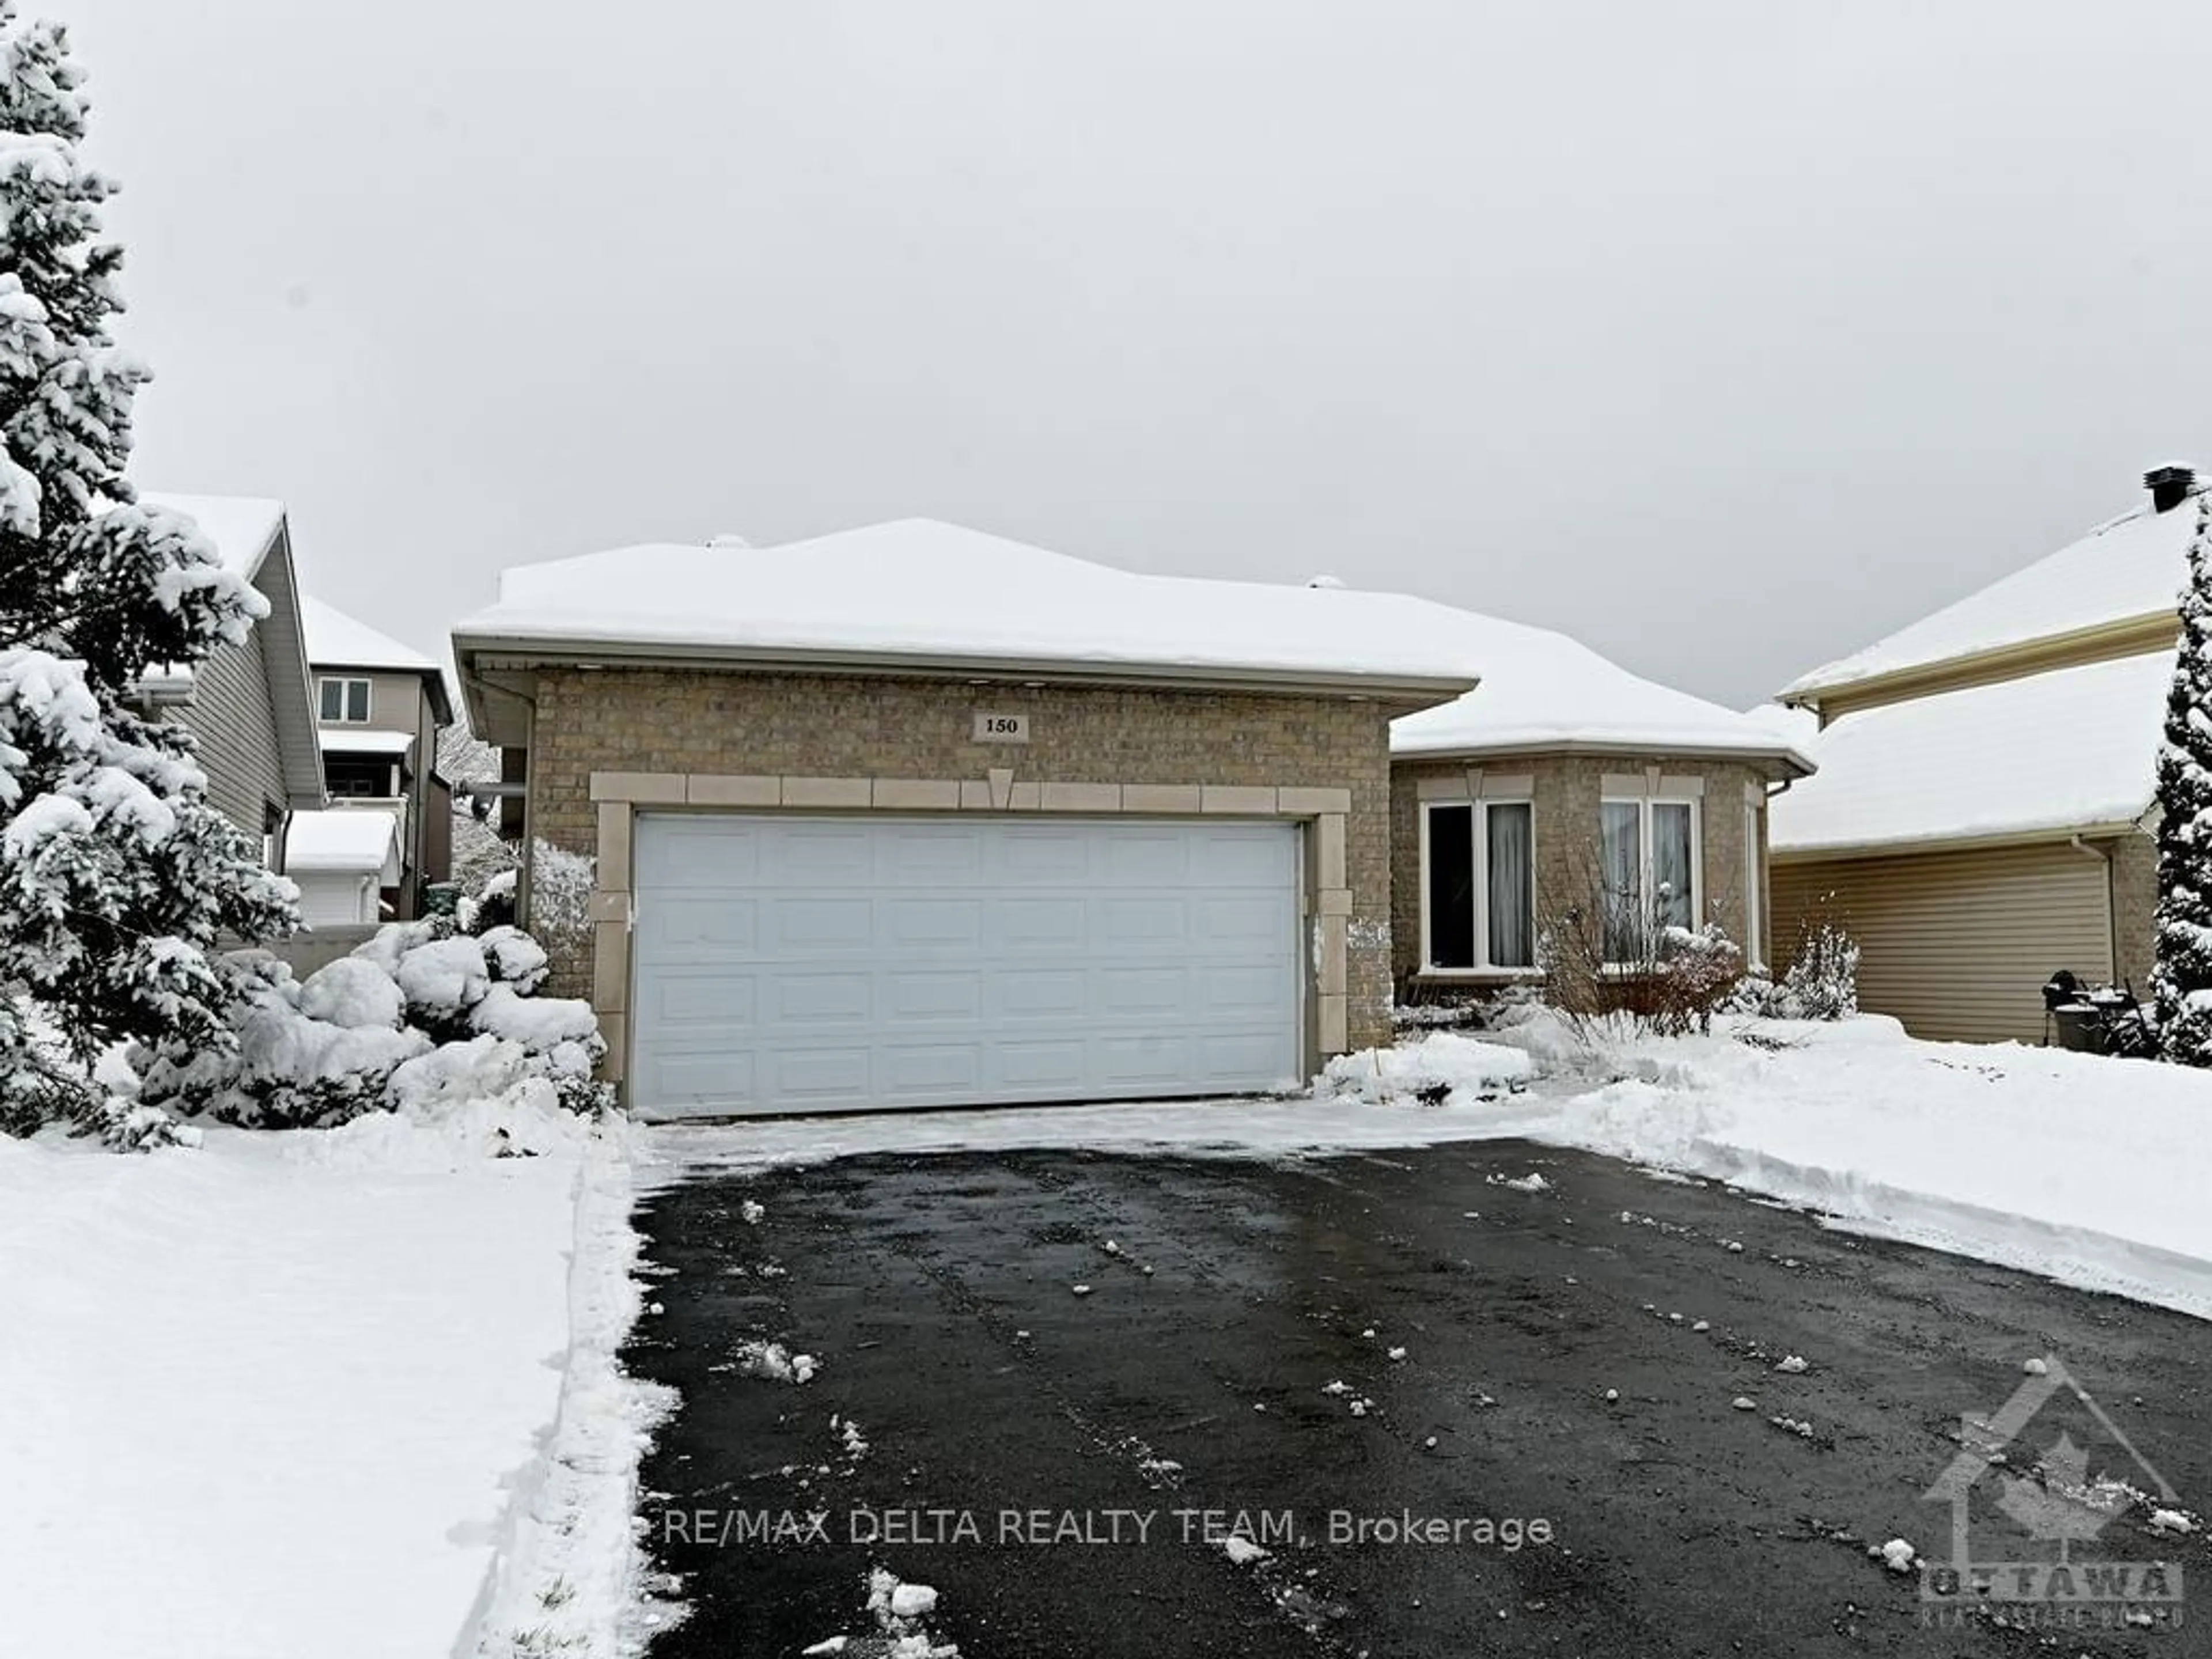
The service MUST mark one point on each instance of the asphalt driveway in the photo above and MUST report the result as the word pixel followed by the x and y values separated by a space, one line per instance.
pixel 1385 1371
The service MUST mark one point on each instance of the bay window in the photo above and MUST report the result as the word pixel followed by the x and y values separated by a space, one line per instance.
pixel 1479 885
pixel 1648 863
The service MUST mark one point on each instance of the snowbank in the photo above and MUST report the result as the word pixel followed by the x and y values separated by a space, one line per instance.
pixel 2088 1171
pixel 287 1382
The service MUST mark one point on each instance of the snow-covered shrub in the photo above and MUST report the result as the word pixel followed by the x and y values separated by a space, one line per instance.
pixel 1822 981
pixel 514 959
pixel 442 979
pixel 415 1019
pixel 123 1126
pixel 2181 977
pixel 352 993
pixel 1610 969
pixel 117 878
pixel 560 883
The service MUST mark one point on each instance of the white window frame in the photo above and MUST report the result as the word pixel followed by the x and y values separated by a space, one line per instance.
pixel 1483 966
pixel 1643 804
pixel 346 682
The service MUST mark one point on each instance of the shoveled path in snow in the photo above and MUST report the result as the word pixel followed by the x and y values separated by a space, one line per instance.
pixel 936 1292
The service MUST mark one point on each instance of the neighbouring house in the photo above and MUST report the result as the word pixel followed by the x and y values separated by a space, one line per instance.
pixel 1561 780
pixel 380 706
pixel 1984 814
pixel 343 863
pixel 912 815
pixel 248 706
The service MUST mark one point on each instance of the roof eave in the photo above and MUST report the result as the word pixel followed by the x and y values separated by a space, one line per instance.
pixel 2150 629
pixel 2101 829
pixel 477 653
pixel 1777 762
pixel 284 660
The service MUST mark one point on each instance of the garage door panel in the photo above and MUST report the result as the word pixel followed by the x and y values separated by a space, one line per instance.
pixel 1227 921
pixel 922 853
pixel 1235 991
pixel 1228 856
pixel 1054 993
pixel 1158 859
pixel 717 1077
pixel 719 924
pixel 708 1000
pixel 1222 1054
pixel 821 852
pixel 939 921
pixel 1042 1068
pixel 694 857
pixel 915 998
pixel 818 999
pixel 834 964
pixel 802 1076
pixel 1150 922
pixel 930 1070
pixel 818 926
pixel 1144 1062
pixel 1143 993
pixel 1034 924
pixel 1043 854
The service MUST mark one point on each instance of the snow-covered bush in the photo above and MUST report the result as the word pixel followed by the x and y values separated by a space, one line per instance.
pixel 1822 981
pixel 560 883
pixel 2181 977
pixel 117 876
pixel 1610 969
pixel 418 1018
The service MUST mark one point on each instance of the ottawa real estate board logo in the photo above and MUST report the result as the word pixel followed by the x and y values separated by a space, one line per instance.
pixel 2058 1522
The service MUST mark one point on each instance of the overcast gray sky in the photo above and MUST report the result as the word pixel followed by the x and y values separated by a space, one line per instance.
pixel 1726 336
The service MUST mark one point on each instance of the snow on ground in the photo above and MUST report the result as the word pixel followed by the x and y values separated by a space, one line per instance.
pixel 2087 1170
pixel 279 1395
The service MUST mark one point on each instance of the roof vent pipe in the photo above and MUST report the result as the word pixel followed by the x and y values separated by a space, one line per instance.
pixel 2169 487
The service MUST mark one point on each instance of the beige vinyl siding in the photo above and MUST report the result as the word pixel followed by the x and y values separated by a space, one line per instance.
pixel 1957 946
pixel 231 716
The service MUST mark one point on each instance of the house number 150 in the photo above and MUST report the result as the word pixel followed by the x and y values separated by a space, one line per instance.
pixel 1002 728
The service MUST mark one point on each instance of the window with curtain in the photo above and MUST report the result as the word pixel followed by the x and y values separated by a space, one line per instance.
pixel 1481 886
pixel 1649 857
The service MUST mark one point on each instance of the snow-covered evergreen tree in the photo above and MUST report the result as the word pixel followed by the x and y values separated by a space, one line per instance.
pixel 2182 979
pixel 117 876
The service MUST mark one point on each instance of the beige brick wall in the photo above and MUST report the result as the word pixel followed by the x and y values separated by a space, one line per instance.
pixel 2135 904
pixel 651 722
pixel 1564 793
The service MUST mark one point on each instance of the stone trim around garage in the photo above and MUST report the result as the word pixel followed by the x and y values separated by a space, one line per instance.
pixel 620 795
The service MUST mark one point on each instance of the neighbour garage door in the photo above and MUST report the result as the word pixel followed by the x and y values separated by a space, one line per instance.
pixel 793 963
pixel 1957 946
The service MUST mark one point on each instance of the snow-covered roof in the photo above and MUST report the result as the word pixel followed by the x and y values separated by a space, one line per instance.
pixel 337 640
pixel 2133 566
pixel 1543 690
pixel 2052 753
pixel 925 593
pixel 364 841
pixel 363 740
pixel 242 527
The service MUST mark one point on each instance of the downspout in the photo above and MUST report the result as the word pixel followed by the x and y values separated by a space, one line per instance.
pixel 2112 901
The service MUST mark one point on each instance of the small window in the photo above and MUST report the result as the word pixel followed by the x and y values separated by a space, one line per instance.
pixel 343 701
pixel 1649 859
pixel 1481 886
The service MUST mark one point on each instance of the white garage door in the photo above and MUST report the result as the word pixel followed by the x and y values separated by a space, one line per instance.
pixel 792 964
